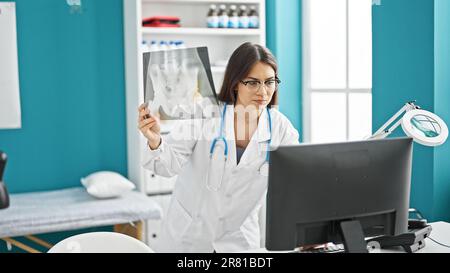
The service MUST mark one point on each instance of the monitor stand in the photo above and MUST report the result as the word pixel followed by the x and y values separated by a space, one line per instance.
pixel 353 237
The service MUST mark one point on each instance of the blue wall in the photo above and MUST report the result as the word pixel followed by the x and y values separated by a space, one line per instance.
pixel 411 62
pixel 284 38
pixel 441 209
pixel 72 95
pixel 403 70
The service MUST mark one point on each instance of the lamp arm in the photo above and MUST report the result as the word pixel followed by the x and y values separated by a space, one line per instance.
pixel 387 132
pixel 387 129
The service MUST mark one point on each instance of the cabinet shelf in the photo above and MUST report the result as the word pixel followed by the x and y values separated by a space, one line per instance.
pixel 201 31
pixel 255 2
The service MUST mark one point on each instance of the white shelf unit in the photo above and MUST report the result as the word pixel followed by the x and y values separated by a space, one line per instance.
pixel 193 31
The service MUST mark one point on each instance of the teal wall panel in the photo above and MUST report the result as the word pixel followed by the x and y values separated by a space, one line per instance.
pixel 441 209
pixel 403 70
pixel 71 70
pixel 284 38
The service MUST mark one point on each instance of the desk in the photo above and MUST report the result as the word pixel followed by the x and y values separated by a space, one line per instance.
pixel 440 233
pixel 73 209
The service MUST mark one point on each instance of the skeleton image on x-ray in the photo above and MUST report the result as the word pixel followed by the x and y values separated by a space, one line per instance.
pixel 178 83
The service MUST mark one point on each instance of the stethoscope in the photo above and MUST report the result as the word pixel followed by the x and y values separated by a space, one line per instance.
pixel 263 170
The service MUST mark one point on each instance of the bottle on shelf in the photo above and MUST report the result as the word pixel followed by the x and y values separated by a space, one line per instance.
pixel 144 46
pixel 213 17
pixel 254 17
pixel 163 45
pixel 172 45
pixel 223 17
pixel 154 46
pixel 233 17
pixel 244 20
pixel 180 44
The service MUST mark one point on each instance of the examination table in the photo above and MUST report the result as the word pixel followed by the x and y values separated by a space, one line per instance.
pixel 31 214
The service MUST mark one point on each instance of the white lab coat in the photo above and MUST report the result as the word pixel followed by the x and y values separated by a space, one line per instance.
pixel 201 220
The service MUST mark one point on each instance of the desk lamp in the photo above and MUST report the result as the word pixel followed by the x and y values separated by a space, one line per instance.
pixel 423 126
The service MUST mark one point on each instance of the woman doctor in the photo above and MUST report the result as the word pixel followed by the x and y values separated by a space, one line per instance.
pixel 222 179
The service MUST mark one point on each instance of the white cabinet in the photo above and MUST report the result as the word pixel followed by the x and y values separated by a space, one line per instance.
pixel 193 31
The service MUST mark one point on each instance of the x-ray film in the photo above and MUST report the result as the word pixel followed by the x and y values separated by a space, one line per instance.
pixel 178 84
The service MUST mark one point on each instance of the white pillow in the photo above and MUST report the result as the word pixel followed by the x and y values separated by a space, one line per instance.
pixel 105 184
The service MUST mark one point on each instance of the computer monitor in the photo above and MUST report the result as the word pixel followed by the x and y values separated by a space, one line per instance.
pixel 338 192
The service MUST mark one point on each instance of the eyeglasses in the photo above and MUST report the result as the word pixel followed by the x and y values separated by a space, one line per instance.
pixel 255 85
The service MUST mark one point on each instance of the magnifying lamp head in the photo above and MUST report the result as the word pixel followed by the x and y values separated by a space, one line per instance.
pixel 425 127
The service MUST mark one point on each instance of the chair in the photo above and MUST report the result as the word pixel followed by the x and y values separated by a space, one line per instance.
pixel 101 242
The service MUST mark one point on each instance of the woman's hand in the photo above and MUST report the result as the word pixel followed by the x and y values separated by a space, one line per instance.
pixel 149 127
